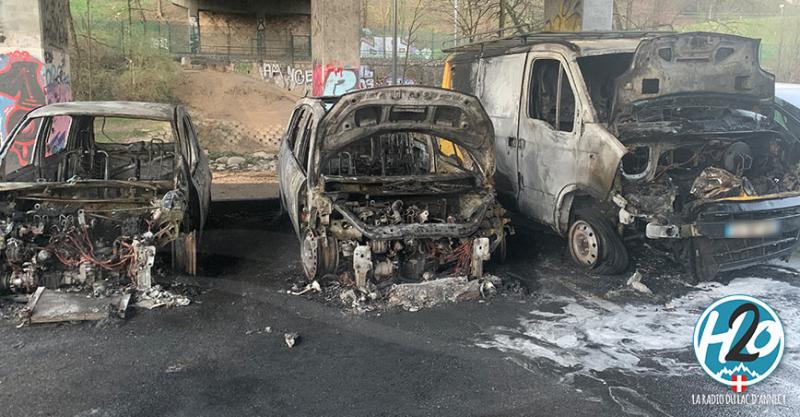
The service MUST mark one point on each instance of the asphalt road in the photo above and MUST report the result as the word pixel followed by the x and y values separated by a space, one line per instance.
pixel 572 345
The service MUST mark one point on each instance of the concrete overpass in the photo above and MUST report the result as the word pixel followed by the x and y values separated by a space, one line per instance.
pixel 334 29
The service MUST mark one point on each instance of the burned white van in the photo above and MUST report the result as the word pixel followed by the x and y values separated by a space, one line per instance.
pixel 613 139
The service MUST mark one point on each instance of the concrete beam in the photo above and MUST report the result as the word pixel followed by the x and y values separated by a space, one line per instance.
pixel 258 7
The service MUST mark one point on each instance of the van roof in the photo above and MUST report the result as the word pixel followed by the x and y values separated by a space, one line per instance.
pixel 583 43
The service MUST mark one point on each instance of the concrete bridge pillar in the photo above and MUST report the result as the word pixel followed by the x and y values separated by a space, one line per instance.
pixel 34 58
pixel 336 46
pixel 193 14
pixel 578 15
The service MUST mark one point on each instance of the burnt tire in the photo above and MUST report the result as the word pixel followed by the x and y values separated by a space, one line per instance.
pixel 319 258
pixel 595 246
pixel 185 252
pixel 500 253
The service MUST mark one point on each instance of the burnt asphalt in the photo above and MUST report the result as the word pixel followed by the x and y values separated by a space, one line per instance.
pixel 517 354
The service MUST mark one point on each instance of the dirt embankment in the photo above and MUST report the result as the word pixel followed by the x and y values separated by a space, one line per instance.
pixel 234 113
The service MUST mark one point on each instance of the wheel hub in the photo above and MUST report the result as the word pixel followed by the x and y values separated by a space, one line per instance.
pixel 584 243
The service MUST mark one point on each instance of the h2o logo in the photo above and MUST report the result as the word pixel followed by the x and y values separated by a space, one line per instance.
pixel 739 341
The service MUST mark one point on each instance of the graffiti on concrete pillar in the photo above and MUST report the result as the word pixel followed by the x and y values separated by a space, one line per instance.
pixel 567 17
pixel 58 89
pixel 287 76
pixel 21 90
pixel 26 83
pixel 366 77
pixel 334 79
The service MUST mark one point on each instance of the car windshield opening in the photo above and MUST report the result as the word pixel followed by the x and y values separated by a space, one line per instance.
pixel 399 154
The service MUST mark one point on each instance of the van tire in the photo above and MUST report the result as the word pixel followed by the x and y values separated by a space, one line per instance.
pixel 594 245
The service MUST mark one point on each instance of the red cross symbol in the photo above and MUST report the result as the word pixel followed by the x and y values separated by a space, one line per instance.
pixel 738 385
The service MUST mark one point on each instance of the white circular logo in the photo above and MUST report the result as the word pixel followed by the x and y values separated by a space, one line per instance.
pixel 739 341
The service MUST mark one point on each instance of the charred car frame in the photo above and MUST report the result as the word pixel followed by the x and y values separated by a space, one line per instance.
pixel 371 194
pixel 92 191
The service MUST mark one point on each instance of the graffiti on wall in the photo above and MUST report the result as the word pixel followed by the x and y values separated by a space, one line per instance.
pixel 387 80
pixel 26 83
pixel 21 90
pixel 334 79
pixel 567 17
pixel 58 89
pixel 286 76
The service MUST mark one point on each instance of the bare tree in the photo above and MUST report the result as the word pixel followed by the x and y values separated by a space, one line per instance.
pixel 474 15
pixel 413 26
pixel 526 15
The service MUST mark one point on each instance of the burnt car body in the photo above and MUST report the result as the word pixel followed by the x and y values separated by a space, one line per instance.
pixel 91 191
pixel 610 138
pixel 368 190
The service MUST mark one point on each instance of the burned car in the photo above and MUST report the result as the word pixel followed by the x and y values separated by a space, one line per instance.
pixel 614 138
pixel 370 193
pixel 92 191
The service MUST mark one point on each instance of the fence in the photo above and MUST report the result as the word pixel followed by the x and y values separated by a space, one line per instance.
pixel 425 46
pixel 223 44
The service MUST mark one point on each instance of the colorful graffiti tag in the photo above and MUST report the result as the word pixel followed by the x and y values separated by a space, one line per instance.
pixel 335 79
pixel 26 83
pixel 21 90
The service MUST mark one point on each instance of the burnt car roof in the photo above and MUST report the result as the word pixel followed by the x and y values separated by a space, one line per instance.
pixel 133 109
pixel 583 43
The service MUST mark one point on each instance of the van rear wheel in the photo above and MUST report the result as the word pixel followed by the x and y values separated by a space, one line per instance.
pixel 595 246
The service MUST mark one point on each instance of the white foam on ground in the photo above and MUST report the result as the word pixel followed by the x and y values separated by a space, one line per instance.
pixel 589 338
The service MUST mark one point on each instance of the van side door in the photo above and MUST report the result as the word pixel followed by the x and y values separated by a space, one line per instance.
pixel 549 130
pixel 500 88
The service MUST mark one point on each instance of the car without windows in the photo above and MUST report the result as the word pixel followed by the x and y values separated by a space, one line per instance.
pixel 370 192
pixel 614 138
pixel 92 190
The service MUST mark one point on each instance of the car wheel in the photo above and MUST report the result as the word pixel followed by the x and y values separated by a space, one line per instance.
pixel 595 246
pixel 319 258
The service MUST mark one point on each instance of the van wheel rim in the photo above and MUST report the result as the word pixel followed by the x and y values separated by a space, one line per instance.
pixel 584 243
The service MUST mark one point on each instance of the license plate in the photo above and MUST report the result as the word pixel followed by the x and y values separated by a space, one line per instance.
pixel 759 228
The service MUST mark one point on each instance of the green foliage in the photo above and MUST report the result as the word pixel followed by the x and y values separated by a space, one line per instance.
pixel 113 61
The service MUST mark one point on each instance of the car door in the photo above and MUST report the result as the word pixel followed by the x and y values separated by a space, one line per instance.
pixel 291 174
pixel 19 152
pixel 200 171
pixel 547 141
pixel 499 88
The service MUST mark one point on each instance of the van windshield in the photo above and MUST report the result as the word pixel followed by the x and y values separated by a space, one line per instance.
pixel 599 73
